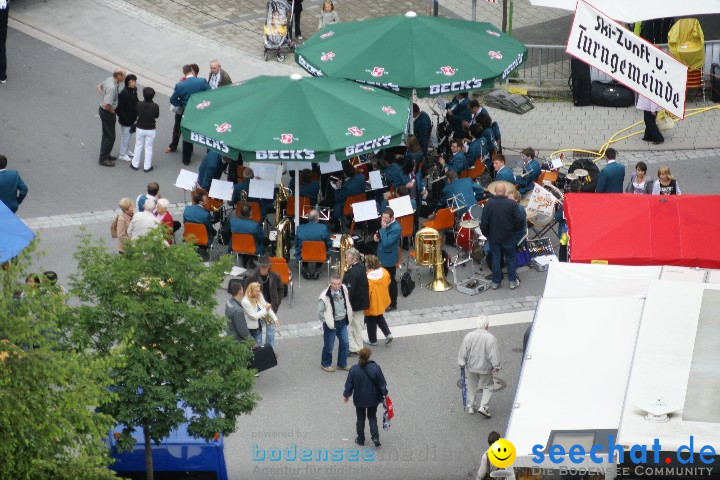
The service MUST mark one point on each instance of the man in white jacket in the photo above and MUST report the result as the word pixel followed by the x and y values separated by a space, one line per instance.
pixel 479 357
pixel 334 310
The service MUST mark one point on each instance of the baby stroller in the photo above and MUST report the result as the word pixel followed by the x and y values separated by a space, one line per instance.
pixel 275 31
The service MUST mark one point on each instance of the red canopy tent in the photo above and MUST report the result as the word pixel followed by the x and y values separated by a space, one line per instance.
pixel 626 229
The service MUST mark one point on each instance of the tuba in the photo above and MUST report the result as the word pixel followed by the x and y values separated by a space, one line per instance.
pixel 346 242
pixel 428 247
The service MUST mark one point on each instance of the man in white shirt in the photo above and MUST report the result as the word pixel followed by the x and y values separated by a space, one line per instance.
pixel 479 357
pixel 143 222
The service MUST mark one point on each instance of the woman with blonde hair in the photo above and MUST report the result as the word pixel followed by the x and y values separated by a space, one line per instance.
pixel 123 222
pixel 665 184
pixel 379 291
pixel 328 15
pixel 259 313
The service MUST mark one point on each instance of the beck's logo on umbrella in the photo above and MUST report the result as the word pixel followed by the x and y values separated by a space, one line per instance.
pixel 355 131
pixel 447 71
pixel 495 55
pixel 388 110
pixel 286 138
pixel 377 71
pixel 203 105
pixel 225 127
pixel 327 34
pixel 493 33
pixel 369 89
pixel 327 56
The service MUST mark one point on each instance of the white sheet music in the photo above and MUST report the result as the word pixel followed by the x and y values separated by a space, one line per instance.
pixel 186 180
pixel 441 103
pixel 331 166
pixel 267 171
pixel 221 189
pixel 261 189
pixel 401 206
pixel 363 211
pixel 557 163
pixel 376 182
pixel 298 165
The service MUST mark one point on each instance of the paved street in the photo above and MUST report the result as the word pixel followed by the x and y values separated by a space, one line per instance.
pixel 50 132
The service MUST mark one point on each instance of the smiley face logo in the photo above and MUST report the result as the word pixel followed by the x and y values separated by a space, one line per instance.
pixel 502 453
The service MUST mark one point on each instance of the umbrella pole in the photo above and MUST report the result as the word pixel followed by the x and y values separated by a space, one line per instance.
pixel 297 198
pixel 411 128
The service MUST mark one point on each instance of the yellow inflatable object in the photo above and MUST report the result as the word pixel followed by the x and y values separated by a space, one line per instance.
pixel 686 42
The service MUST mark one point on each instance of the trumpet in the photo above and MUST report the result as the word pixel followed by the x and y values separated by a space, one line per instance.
pixel 428 245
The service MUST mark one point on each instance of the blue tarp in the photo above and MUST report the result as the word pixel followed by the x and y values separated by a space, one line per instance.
pixel 14 234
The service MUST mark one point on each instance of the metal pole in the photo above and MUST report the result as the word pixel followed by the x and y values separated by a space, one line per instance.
pixel 539 80
pixel 297 199
pixel 474 10
pixel 435 8
pixel 411 127
pixel 510 14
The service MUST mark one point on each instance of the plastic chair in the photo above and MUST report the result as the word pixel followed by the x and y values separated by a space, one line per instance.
pixel 196 233
pixel 444 220
pixel 313 251
pixel 407 229
pixel 243 244
pixel 347 209
pixel 477 170
pixel 280 266
pixel 255 206
pixel 240 170
pixel 290 207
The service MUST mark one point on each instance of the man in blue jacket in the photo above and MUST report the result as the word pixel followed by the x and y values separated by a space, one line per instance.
pixel 422 126
pixel 457 113
pixel 245 224
pixel 478 147
pixel 467 192
pixel 354 185
pixel 531 171
pixel 388 251
pixel 211 167
pixel 12 189
pixel 611 177
pixel 458 161
pixel 499 222
pixel 179 99
pixel 196 213
pixel 313 231
pixel 502 171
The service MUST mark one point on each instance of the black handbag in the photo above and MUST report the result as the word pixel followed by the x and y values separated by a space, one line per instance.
pixel 407 284
pixel 263 359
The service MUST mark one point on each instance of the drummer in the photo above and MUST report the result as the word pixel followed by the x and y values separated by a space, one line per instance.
pixel 466 192
pixel 502 171
pixel 530 171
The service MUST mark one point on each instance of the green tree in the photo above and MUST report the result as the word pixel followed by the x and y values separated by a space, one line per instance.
pixel 156 304
pixel 49 426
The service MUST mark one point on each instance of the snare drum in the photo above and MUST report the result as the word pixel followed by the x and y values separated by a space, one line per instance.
pixel 466 230
pixel 569 178
pixel 583 176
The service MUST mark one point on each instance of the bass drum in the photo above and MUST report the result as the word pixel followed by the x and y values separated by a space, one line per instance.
pixel 463 236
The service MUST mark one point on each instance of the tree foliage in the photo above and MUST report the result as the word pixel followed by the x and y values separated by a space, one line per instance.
pixel 155 304
pixel 48 392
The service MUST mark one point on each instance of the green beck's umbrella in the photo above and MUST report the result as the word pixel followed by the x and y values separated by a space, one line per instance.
pixel 432 55
pixel 295 119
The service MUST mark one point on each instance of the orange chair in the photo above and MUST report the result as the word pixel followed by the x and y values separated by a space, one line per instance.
pixel 280 266
pixel 547 175
pixel 477 170
pixel 444 220
pixel 255 211
pixel 407 226
pixel 240 170
pixel 290 207
pixel 313 251
pixel 243 244
pixel 215 203
pixel 347 210
pixel 196 233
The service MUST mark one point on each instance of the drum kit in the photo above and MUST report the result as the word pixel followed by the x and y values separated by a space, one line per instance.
pixel 469 235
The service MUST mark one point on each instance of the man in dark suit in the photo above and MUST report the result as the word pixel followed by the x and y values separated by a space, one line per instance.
pixel 422 126
pixel 467 192
pixel 12 189
pixel 245 224
pixel 211 167
pixel 611 177
pixel 196 213
pixel 457 113
pixel 458 161
pixel 354 185
pixel 388 251
pixel 313 231
pixel 502 171
pixel 531 171
pixel 179 99
pixel 499 222
pixel 243 185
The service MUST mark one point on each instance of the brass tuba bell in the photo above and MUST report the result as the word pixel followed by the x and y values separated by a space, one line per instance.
pixel 428 253
pixel 346 242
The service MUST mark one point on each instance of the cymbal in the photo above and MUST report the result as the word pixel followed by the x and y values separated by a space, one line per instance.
pixel 469 224
pixel 508 186
pixel 573 176
pixel 581 173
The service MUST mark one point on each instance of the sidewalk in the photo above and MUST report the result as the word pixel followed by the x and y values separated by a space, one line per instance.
pixel 155 49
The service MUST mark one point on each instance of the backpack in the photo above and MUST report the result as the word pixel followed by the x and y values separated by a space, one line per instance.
pixel 407 284
pixel 113 227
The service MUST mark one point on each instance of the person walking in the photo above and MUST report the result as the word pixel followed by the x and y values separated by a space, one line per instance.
pixel 4 11
pixel 366 384
pixel 499 221
pixel 127 115
pixel 109 91
pixel 650 111
pixel 356 281
pixel 486 468
pixel 378 300
pixel 147 113
pixel 297 7
pixel 12 188
pixel 334 311
pixel 479 357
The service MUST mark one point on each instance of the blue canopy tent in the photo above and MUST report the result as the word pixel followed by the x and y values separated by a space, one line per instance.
pixel 14 234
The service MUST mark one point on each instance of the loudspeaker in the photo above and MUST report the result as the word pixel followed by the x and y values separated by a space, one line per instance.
pixel 511 102
pixel 612 95
pixel 715 82
pixel 579 83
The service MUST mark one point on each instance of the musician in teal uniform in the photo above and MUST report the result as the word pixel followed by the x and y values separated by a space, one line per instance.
pixel 311 231
pixel 458 161
pixel 196 213
pixel 502 171
pixel 467 193
pixel 612 177
pixel 478 147
pixel 354 185
pixel 245 224
pixel 530 173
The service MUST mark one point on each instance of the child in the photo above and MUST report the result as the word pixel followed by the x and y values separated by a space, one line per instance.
pixel 328 15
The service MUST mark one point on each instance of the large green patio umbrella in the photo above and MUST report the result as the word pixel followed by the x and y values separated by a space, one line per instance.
pixel 431 55
pixel 295 118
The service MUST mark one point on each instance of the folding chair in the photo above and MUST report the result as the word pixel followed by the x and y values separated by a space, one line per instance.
pixel 280 266
pixel 197 233
pixel 541 225
pixel 444 220
pixel 290 207
pixel 347 209
pixel 243 244
pixel 313 251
